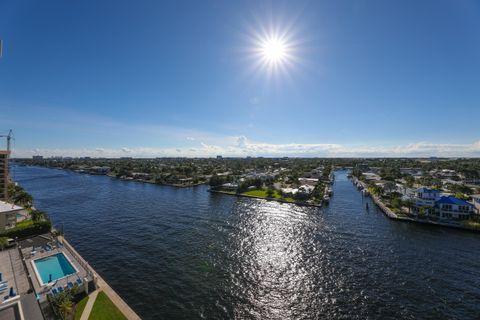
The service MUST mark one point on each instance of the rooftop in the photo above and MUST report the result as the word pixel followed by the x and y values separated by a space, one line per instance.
pixel 453 200
pixel 7 207
pixel 427 190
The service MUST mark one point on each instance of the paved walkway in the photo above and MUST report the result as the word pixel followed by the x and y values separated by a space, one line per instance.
pixel 88 307
pixel 121 305
pixel 103 286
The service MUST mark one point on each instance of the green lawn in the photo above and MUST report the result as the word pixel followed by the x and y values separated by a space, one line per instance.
pixel 79 308
pixel 104 309
pixel 262 193
pixel 24 223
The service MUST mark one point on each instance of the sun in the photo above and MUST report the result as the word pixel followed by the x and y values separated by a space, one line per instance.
pixel 274 47
pixel 274 50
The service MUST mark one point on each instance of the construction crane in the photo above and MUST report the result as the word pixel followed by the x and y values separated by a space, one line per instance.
pixel 9 138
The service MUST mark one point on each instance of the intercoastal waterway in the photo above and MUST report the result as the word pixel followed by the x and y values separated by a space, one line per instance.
pixel 185 253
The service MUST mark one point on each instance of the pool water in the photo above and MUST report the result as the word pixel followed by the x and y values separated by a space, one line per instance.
pixel 56 265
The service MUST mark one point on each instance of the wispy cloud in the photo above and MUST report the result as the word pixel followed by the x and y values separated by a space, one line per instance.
pixel 241 146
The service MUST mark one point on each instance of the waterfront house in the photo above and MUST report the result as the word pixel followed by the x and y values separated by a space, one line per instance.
pixel 141 175
pixel 407 193
pixel 476 202
pixel 450 207
pixel 424 200
pixel 370 176
pixel 101 170
pixel 305 189
pixel 426 197
pixel 230 186
pixel 289 191
pixel 446 182
pixel 8 215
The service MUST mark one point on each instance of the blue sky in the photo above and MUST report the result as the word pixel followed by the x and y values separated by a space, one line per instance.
pixel 178 78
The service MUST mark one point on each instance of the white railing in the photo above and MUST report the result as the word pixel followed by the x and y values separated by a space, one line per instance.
pixel 78 257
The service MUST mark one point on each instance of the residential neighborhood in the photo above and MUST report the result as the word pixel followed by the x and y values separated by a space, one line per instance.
pixel 440 194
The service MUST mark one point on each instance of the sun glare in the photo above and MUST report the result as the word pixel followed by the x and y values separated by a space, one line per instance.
pixel 274 50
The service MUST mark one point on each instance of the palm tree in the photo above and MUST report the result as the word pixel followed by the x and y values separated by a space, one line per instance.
pixel 65 308
pixel 24 199
pixel 409 204
pixel 36 215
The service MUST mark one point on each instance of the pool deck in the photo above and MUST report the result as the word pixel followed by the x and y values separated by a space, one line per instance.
pixel 16 266
pixel 43 289
pixel 13 272
pixel 23 305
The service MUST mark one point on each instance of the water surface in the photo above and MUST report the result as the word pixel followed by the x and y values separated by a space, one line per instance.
pixel 176 253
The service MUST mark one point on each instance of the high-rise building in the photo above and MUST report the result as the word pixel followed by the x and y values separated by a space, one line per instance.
pixel 4 174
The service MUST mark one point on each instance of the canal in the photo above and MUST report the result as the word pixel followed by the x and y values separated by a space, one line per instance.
pixel 186 253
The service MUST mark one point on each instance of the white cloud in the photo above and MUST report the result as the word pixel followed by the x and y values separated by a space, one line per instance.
pixel 241 146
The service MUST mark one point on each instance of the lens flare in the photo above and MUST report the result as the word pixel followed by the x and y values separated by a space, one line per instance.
pixel 274 50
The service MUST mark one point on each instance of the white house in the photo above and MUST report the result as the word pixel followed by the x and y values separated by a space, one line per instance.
pixel 230 186
pixel 426 197
pixel 308 181
pixel 291 191
pixel 371 176
pixel 450 207
pixel 476 201
pixel 8 215
pixel 306 189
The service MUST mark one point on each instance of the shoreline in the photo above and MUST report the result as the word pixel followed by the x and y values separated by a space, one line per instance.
pixel 304 204
pixel 114 177
pixel 393 216
pixel 103 286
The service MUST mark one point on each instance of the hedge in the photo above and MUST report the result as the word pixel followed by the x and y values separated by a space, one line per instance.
pixel 37 228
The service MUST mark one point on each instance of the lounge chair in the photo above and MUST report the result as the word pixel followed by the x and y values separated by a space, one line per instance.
pixel 60 289
pixel 54 291
pixel 79 281
pixel 3 289
pixel 69 284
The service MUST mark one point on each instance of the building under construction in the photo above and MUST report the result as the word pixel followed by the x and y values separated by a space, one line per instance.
pixel 4 174
pixel 4 155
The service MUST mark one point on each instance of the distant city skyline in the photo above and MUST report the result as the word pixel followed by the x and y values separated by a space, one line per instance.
pixel 200 79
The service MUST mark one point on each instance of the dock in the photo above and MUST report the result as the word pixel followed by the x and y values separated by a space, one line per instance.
pixel 392 215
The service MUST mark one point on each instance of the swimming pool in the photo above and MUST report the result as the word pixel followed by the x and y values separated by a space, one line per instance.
pixel 56 266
